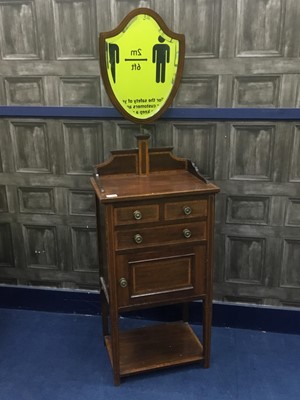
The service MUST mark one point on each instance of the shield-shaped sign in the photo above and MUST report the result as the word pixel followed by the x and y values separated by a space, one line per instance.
pixel 141 65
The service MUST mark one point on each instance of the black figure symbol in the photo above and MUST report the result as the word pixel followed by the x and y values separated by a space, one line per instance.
pixel 161 56
pixel 113 50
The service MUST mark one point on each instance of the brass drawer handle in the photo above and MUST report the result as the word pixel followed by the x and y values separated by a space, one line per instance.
pixel 138 238
pixel 123 283
pixel 187 210
pixel 137 215
pixel 187 233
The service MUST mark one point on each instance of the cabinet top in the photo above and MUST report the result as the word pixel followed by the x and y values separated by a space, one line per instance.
pixel 112 188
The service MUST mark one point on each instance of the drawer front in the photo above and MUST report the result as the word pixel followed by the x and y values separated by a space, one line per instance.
pixel 136 214
pixel 185 209
pixel 157 276
pixel 169 234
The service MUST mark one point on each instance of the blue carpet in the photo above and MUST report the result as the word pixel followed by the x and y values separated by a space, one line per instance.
pixel 49 356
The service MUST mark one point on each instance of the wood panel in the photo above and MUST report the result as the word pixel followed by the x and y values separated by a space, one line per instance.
pixel 30 146
pixel 6 246
pixel 245 260
pixel 79 91
pixel 75 43
pixel 41 246
pixel 24 91
pixel 251 152
pixel 196 142
pixel 19 33
pixel 260 27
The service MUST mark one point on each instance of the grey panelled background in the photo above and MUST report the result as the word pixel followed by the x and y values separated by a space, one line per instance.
pixel 239 53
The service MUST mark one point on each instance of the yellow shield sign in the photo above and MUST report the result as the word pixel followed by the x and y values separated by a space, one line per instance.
pixel 141 65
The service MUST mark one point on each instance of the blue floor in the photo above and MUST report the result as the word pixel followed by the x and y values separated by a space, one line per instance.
pixel 53 356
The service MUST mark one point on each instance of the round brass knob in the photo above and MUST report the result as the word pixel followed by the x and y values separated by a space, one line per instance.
pixel 123 283
pixel 187 233
pixel 138 238
pixel 187 210
pixel 137 215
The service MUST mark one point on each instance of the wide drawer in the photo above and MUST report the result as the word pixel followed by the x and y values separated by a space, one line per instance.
pixel 136 214
pixel 161 235
pixel 185 209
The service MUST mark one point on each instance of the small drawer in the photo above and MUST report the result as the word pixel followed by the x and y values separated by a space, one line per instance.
pixel 185 209
pixel 136 214
pixel 161 235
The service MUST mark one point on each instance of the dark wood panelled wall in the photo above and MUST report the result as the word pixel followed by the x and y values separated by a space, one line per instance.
pixel 239 53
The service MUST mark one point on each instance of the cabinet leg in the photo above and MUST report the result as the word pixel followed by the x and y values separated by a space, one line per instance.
pixel 104 314
pixel 115 344
pixel 117 380
pixel 207 319
pixel 185 312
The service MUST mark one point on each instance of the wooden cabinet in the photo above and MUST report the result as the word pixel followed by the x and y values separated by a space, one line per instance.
pixel 155 217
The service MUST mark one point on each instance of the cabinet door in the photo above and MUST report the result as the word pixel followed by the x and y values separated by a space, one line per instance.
pixel 160 276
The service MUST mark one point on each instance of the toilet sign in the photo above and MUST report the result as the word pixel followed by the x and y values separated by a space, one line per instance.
pixel 141 65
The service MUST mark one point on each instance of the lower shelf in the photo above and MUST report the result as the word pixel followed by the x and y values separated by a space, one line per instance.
pixel 155 347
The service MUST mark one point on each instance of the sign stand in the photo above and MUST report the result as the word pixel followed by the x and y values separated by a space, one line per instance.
pixel 143 147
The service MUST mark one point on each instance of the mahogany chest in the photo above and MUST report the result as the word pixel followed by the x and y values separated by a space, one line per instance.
pixel 155 218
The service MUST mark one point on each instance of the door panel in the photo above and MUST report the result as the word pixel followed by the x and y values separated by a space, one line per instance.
pixel 161 275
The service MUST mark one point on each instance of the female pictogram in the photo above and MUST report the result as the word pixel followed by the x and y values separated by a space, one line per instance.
pixel 113 59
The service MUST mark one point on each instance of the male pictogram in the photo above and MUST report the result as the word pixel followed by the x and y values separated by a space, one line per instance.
pixel 161 56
